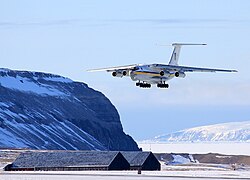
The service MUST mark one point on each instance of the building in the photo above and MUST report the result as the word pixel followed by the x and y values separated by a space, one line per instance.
pixel 69 161
pixel 141 160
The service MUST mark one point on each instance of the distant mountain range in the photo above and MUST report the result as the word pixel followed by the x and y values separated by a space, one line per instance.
pixel 45 111
pixel 234 131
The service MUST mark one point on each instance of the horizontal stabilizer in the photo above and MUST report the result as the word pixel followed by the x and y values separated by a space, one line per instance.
pixel 187 44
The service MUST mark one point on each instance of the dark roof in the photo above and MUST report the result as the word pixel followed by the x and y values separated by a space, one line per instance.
pixel 64 159
pixel 135 158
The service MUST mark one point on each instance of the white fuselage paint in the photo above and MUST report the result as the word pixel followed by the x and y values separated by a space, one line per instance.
pixel 150 74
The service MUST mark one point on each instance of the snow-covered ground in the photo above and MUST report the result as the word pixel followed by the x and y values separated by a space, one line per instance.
pixel 128 175
pixel 2 165
pixel 231 148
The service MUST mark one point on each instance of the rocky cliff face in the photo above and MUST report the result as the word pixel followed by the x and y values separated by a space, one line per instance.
pixel 45 111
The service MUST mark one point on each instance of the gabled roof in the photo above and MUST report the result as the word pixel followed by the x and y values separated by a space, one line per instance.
pixel 64 159
pixel 135 158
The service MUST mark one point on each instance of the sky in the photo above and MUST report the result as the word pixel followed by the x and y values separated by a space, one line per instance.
pixel 67 37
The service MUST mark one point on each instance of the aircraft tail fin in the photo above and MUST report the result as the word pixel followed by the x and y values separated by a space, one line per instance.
pixel 176 52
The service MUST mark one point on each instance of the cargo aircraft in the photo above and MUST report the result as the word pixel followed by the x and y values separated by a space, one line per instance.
pixel 159 74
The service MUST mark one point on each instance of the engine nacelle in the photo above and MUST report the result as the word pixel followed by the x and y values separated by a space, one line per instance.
pixel 180 74
pixel 119 73
pixel 164 73
pixel 124 73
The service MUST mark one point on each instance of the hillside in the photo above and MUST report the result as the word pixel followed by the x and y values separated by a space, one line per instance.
pixel 234 131
pixel 46 111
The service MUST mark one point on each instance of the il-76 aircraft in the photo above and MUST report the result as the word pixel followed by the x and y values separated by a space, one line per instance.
pixel 148 74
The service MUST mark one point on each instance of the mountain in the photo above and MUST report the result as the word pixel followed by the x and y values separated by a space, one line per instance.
pixel 234 131
pixel 46 111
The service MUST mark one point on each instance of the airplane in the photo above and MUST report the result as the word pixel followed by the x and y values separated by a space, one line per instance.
pixel 148 74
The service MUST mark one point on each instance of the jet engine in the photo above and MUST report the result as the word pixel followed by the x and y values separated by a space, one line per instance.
pixel 180 74
pixel 119 73
pixel 164 73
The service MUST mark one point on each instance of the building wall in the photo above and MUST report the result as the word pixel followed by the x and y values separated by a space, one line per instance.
pixel 100 168
pixel 71 168
pixel 151 163
pixel 119 163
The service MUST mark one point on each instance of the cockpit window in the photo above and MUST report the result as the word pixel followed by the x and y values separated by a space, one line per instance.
pixel 136 68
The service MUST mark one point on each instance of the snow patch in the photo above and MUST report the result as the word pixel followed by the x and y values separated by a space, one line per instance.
pixel 4 70
pixel 2 116
pixel 192 159
pixel 223 157
pixel 58 79
pixel 178 159
pixel 9 113
pixel 9 140
pixel 25 84
pixel 55 132
pixel 4 104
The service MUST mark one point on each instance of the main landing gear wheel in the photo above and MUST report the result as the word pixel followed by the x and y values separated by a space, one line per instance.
pixel 163 85
pixel 143 85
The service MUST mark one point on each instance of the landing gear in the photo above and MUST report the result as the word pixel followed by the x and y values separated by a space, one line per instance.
pixel 163 85
pixel 143 85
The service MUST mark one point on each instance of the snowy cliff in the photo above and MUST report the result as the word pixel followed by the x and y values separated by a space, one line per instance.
pixel 234 131
pixel 46 111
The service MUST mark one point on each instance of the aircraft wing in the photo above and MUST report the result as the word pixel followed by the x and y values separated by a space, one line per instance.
pixel 110 69
pixel 190 69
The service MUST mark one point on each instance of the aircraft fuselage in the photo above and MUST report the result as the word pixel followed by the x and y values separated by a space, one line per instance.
pixel 150 75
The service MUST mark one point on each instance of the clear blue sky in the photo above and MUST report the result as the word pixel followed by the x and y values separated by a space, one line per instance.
pixel 67 37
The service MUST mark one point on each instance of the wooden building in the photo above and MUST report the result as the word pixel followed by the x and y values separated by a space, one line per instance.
pixel 142 160
pixel 69 161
